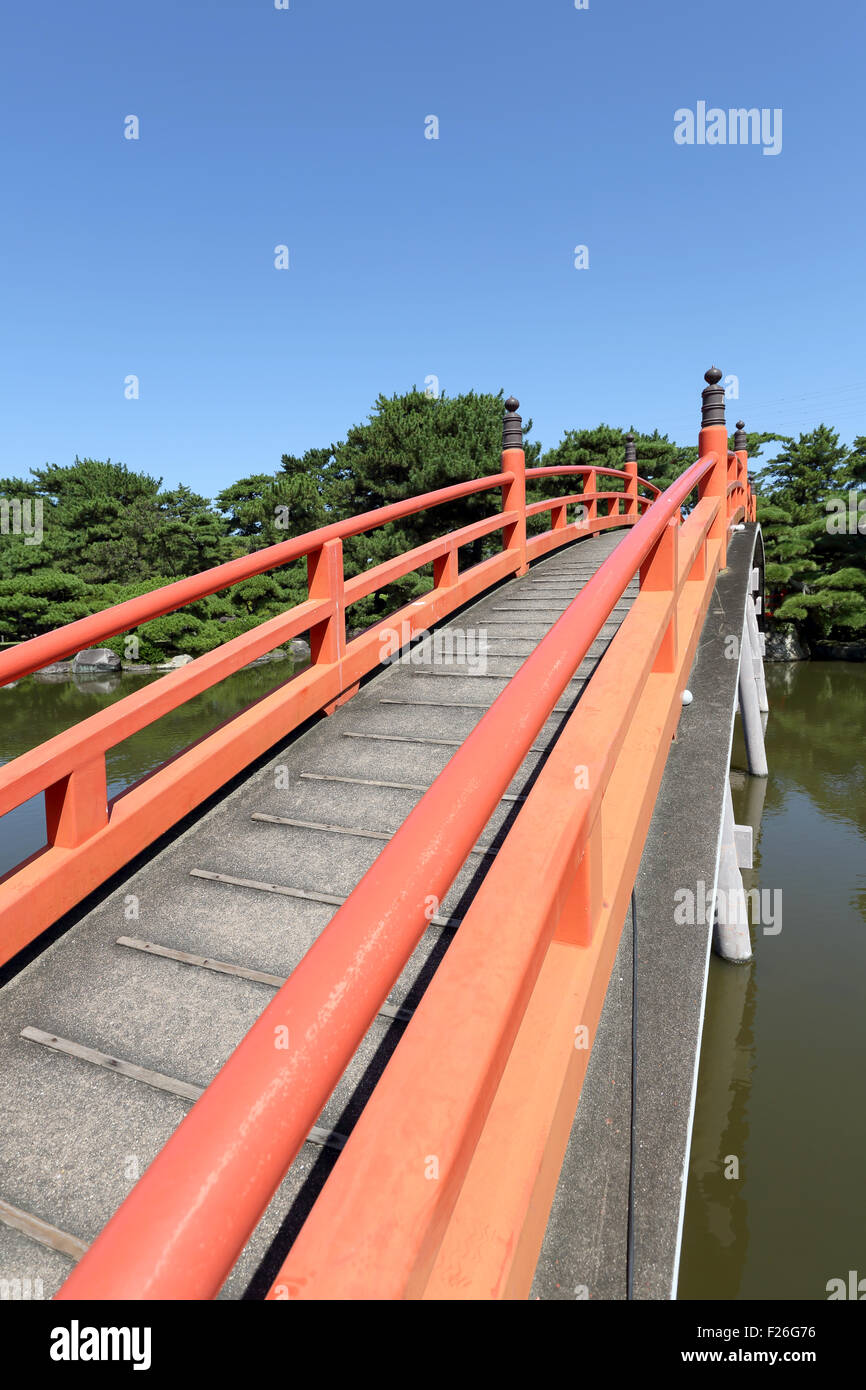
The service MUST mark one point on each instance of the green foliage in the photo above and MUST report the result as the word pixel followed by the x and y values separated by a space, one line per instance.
pixel 855 464
pixel 816 565
pixel 414 444
pixel 100 522
pixel 658 460
pixel 110 533
pixel 38 602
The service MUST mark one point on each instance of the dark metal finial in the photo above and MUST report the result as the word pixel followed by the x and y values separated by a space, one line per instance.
pixel 740 438
pixel 512 426
pixel 713 399
pixel 630 450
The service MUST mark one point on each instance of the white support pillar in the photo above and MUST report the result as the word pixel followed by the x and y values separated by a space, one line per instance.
pixel 750 711
pixel 757 655
pixel 731 938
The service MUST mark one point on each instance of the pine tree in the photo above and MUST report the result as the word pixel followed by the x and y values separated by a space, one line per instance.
pixel 412 444
pixel 815 572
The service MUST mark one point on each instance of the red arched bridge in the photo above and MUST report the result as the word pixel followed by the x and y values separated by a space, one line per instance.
pixel 328 989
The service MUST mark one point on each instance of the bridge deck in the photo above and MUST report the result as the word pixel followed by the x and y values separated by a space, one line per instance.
pixel 251 895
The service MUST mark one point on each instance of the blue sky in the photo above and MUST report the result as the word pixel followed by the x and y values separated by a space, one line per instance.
pixel 412 257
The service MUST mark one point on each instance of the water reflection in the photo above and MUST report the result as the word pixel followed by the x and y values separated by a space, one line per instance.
pixel 784 1045
pixel 717 1209
pixel 38 707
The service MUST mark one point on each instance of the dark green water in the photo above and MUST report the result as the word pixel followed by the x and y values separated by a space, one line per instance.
pixel 781 1084
pixel 37 708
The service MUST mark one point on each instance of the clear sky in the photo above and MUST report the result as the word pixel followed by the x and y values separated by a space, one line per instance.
pixel 412 257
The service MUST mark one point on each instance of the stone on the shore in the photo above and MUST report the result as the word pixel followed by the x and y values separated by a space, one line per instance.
pixel 97 659
pixel 839 651
pixel 785 645
pixel 265 660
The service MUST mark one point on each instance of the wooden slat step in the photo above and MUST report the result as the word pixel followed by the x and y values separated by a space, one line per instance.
pixel 460 704
pixel 326 1138
pixel 342 829
pixel 243 972
pixel 303 893
pixel 372 782
pixel 487 676
pixel 403 738
pixel 41 1231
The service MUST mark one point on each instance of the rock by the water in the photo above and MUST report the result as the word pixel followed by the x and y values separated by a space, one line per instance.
pixel 298 647
pixel 786 644
pixel 839 651
pixel 97 659
pixel 267 659
pixel 176 661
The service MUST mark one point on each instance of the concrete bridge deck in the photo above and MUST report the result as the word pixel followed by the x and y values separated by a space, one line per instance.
pixel 104 1046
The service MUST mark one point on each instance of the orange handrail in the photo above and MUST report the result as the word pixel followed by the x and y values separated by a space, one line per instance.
pixel 41 651
pixel 560 471
pixel 180 1230
pixel 89 836
pixel 37 652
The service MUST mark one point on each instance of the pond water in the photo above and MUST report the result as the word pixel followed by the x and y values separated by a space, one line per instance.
pixel 784 1048
pixel 38 707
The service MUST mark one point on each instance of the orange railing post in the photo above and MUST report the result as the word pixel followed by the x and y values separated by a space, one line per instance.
pixel 514 493
pixel 658 574
pixel 325 580
pixel 698 568
pixel 446 570
pixel 590 487
pixel 77 806
pixel 713 439
pixel 583 899
pixel 631 506
pixel 741 449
